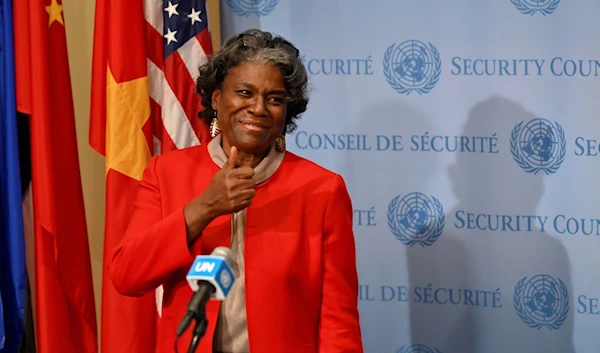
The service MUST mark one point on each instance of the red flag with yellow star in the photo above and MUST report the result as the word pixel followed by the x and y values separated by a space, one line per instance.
pixel 146 58
pixel 64 297
pixel 120 108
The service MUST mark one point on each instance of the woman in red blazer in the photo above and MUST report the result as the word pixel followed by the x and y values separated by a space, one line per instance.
pixel 297 285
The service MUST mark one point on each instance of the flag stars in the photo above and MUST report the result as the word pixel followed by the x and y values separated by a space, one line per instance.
pixel 55 11
pixel 172 9
pixel 170 36
pixel 180 23
pixel 195 16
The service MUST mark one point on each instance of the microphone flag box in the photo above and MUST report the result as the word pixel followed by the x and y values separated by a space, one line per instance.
pixel 212 269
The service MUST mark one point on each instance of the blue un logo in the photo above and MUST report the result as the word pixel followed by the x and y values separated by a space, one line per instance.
pixel 531 7
pixel 416 219
pixel 249 7
pixel 417 348
pixel 542 301
pixel 538 145
pixel 412 66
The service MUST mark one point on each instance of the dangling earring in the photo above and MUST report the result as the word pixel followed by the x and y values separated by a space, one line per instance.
pixel 280 143
pixel 214 126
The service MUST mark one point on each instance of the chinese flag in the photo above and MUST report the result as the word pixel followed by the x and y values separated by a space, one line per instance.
pixel 65 311
pixel 119 130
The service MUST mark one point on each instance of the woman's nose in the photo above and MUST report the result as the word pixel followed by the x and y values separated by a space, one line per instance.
pixel 258 106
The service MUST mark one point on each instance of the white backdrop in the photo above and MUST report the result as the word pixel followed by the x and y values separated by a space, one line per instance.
pixel 468 134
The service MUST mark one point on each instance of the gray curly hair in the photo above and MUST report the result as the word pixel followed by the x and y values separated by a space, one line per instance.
pixel 256 46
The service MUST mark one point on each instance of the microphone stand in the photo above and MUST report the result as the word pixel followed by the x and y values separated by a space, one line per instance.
pixel 201 322
pixel 199 331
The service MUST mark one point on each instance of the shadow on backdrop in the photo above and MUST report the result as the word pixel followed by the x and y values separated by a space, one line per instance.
pixel 486 260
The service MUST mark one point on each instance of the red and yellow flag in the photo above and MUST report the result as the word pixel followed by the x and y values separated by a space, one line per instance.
pixel 120 113
pixel 65 309
pixel 143 104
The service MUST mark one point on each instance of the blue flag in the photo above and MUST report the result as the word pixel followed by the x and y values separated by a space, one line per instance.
pixel 2 332
pixel 13 276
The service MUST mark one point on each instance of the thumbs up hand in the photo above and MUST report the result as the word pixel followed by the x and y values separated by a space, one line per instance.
pixel 230 190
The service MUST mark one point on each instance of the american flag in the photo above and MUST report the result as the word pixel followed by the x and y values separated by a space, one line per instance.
pixel 178 41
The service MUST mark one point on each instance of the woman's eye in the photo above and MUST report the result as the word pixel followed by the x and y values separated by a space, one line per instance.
pixel 276 100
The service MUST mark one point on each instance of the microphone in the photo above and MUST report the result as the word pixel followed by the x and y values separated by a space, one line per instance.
pixel 210 277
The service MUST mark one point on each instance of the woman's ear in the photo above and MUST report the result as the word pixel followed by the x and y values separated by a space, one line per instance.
pixel 216 96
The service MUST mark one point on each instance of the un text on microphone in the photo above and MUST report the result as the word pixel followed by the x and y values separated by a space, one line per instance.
pixel 214 270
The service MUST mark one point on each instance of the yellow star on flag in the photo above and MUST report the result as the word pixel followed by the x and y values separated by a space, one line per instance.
pixel 55 10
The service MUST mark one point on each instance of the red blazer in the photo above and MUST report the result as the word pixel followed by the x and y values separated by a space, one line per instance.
pixel 301 281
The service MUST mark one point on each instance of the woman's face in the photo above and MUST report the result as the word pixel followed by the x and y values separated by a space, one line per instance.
pixel 251 107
